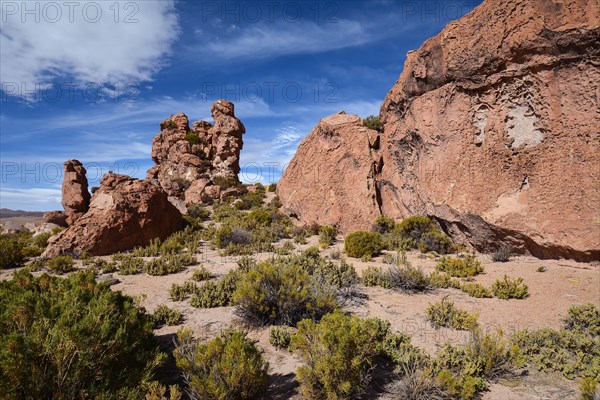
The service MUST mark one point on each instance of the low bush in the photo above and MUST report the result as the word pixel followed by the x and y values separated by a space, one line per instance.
pixel 360 244
pixel 405 278
pixel 129 264
pixel 397 347
pixel 415 227
pixel 201 274
pixel 280 337
pixel 373 122
pixel 440 280
pixel 164 315
pixel 475 290
pixel 227 367
pixel 11 251
pixel 327 235
pixel 217 293
pixel 460 267
pixel 502 254
pixel 436 241
pixel 72 338
pixel 156 391
pixel 585 318
pixel 169 264
pixel 446 314
pixel 342 275
pixel 61 264
pixel 508 288
pixel 383 225
pixel 272 187
pixel 282 293
pixel 182 292
pixel 338 353
pixel 372 276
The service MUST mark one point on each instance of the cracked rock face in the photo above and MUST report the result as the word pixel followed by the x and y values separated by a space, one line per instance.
pixel 191 161
pixel 75 195
pixel 490 129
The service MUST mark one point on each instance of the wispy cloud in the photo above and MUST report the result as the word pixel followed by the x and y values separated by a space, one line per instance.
pixel 113 42
pixel 31 199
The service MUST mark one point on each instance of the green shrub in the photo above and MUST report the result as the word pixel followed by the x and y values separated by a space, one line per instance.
pixel 475 290
pixel 272 187
pixel 201 274
pixel 397 347
pixel 198 211
pixel 11 251
pixel 415 227
pixel 342 275
pixel 217 294
pixel 338 353
pixel 460 267
pixel 169 264
pixel 440 280
pixel 164 315
pixel 372 276
pixel 327 235
pixel 373 122
pixel 436 241
pixel 280 293
pixel 585 318
pixel 192 138
pixel 463 371
pixel 589 389
pixel 383 225
pixel 502 254
pixel 405 278
pixel 359 244
pixel 446 314
pixel 182 183
pixel 130 265
pixel 156 391
pixel 226 182
pixel 72 339
pixel 227 367
pixel 61 264
pixel 280 337
pixel 182 292
pixel 510 288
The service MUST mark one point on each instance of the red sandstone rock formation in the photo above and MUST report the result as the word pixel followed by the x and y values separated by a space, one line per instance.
pixel 75 195
pixel 492 129
pixel 123 213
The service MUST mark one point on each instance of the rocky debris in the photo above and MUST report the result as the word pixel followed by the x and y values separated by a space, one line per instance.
pixel 46 227
pixel 124 212
pixel 489 130
pixel 56 217
pixel 331 179
pixel 11 227
pixel 189 160
pixel 75 195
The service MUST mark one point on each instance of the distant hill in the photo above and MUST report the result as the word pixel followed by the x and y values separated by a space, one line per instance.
pixel 7 213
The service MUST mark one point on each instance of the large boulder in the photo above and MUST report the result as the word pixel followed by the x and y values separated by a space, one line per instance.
pixel 55 217
pixel 492 130
pixel 331 180
pixel 123 213
pixel 190 161
pixel 75 195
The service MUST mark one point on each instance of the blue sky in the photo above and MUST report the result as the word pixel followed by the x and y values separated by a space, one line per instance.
pixel 92 80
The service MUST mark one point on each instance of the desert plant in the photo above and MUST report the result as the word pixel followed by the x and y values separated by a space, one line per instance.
pixel 508 288
pixel 169 264
pixel 440 280
pixel 585 318
pixel 338 353
pixel 373 122
pixel 164 315
pixel 541 268
pixel 61 264
pixel 272 187
pixel 446 314
pixel 327 235
pixel 281 293
pixel 436 241
pixel 475 290
pixel 156 391
pixel 342 275
pixel 11 251
pixel 359 244
pixel 201 274
pixel 227 367
pixel 130 265
pixel 192 138
pixel 217 294
pixel 397 347
pixel 182 292
pixel 372 276
pixel 198 211
pixel 415 227
pixel 383 224
pixel 460 267
pixel 182 183
pixel 405 278
pixel 502 253
pixel 72 338
pixel 280 337
pixel 590 389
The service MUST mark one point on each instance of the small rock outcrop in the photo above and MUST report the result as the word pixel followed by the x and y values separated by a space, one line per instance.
pixel 124 212
pixel 195 164
pixel 491 129
pixel 75 195
pixel 56 217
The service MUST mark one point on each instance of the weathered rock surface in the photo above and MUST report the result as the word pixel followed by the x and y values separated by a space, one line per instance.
pixel 75 195
pixel 56 217
pixel 492 128
pixel 191 161
pixel 123 213
pixel 331 180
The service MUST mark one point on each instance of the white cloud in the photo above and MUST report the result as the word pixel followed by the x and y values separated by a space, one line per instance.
pixel 30 199
pixel 102 52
